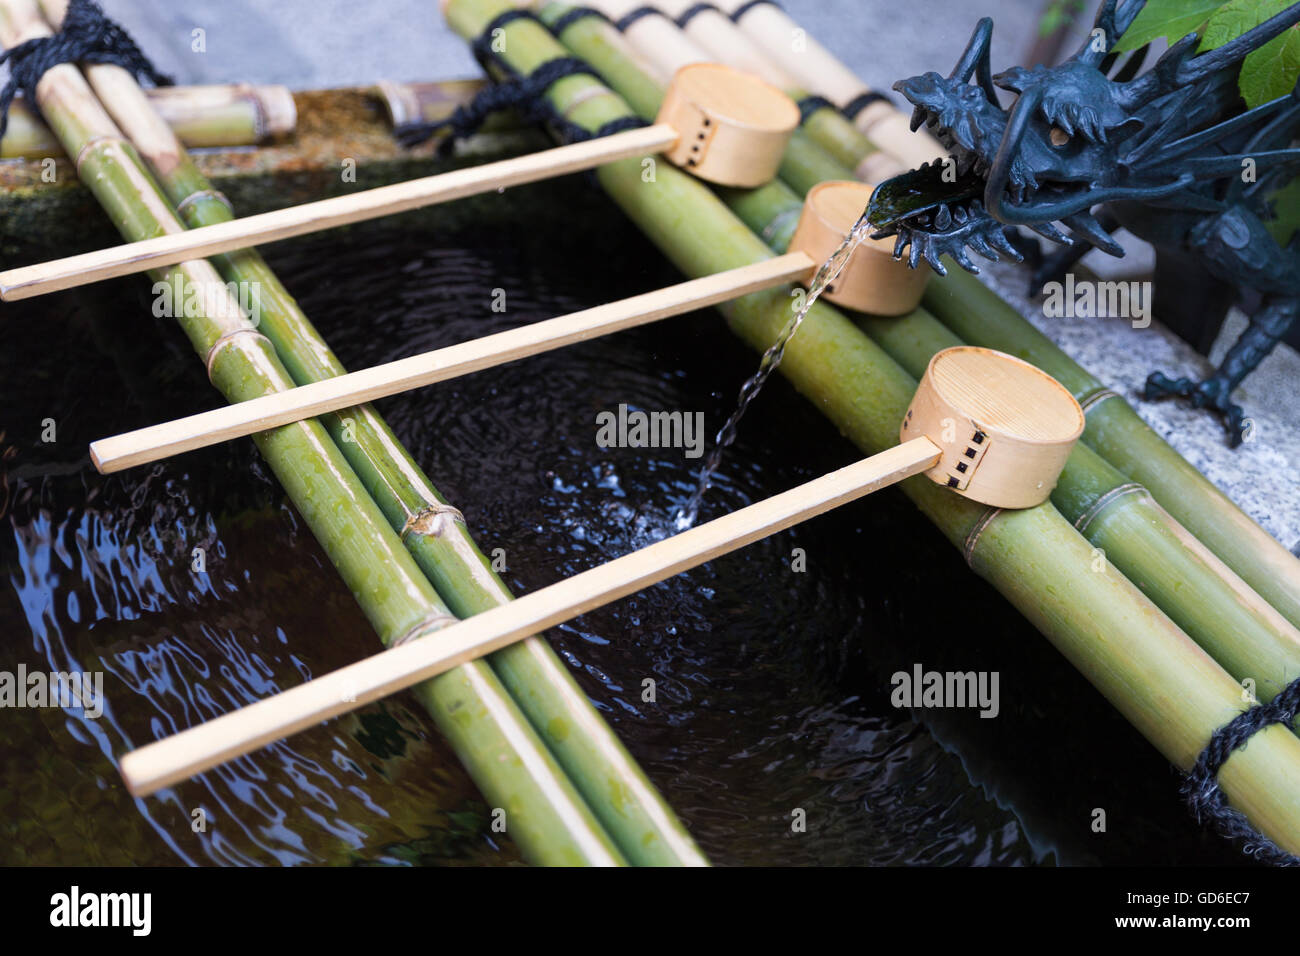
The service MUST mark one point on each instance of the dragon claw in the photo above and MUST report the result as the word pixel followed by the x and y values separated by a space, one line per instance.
pixel 1212 394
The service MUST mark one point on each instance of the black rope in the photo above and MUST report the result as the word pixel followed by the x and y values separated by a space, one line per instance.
pixel 563 23
pixel 627 20
pixel 1204 795
pixel 87 36
pixel 744 8
pixel 811 104
pixel 524 93
pixel 860 102
pixel 692 12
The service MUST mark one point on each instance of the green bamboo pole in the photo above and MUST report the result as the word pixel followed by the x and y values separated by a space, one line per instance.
pixel 1117 432
pixel 1169 688
pixel 544 814
pixel 200 116
pixel 613 784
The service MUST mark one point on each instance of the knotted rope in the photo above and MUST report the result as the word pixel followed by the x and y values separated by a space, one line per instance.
pixel 87 36
pixel 526 93
pixel 1205 797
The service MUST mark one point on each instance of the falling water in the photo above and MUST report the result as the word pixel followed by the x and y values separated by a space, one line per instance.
pixel 826 275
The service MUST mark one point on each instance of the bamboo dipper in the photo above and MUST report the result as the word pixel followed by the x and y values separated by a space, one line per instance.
pixel 718 123
pixel 986 425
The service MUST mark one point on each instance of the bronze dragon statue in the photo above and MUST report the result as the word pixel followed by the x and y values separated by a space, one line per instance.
pixel 1159 152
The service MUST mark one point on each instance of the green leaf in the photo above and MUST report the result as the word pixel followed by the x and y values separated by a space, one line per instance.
pixel 1172 19
pixel 1286 205
pixel 1235 18
pixel 1272 70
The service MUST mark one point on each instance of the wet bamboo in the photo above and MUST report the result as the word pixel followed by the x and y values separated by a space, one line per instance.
pixel 610 780
pixel 1166 685
pixel 822 72
pixel 545 815
pixel 231 115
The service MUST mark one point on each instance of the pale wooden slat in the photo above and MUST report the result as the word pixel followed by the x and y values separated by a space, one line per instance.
pixel 200 748
pixel 311 217
pixel 246 418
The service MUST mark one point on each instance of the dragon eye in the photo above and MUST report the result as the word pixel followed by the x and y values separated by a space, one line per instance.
pixel 1058 136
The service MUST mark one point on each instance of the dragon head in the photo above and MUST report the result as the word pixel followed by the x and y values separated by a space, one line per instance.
pixel 1041 158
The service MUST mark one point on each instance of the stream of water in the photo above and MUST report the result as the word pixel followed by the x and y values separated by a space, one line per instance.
pixel 771 360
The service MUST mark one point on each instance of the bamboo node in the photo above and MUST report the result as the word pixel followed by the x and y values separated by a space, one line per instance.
pixel 183 206
pixel 1100 505
pixel 226 340
pixel 93 143
pixel 1089 402
pixel 433 623
pixel 433 521
pixel 973 539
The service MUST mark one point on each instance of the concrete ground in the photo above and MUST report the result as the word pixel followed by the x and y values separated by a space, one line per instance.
pixel 320 43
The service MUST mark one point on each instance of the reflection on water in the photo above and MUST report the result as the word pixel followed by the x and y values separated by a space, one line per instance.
pixel 771 686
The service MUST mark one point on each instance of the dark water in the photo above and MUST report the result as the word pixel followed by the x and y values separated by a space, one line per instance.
pixel 773 686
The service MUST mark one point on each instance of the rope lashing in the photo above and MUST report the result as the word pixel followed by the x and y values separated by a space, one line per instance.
pixel 1205 797
pixel 526 93
pixel 810 105
pixel 571 17
pixel 87 36
pixel 623 22
pixel 744 8
pixel 690 13
pixel 860 102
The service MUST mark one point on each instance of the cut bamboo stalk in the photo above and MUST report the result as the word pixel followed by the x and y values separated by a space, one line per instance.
pixel 201 116
pixel 660 47
pixel 821 71
pixel 307 401
pixel 609 779
pixel 549 820
pixel 141 256
pixel 661 43
pixel 231 735
pixel 717 34
pixel 407 103
pixel 1169 688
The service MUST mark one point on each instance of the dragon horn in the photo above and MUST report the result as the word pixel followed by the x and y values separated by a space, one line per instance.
pixel 1124 19
pixel 1105 22
pixel 975 60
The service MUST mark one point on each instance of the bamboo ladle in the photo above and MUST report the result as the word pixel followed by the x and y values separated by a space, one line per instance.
pixel 722 125
pixel 988 426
